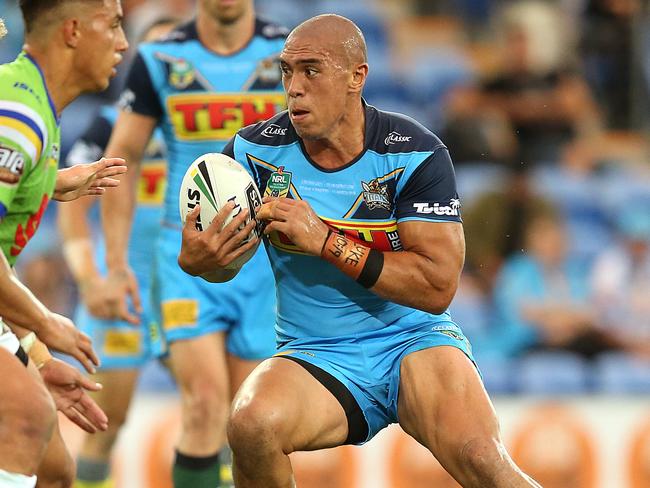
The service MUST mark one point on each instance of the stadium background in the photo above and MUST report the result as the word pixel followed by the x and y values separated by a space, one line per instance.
pixel 552 168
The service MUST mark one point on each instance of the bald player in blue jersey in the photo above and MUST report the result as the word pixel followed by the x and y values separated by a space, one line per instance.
pixel 200 85
pixel 364 235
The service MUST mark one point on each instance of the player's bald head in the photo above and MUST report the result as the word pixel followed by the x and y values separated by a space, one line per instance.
pixel 336 34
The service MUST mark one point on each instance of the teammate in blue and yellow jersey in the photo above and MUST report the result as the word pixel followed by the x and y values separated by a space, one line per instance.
pixel 365 239
pixel 207 80
pixel 122 348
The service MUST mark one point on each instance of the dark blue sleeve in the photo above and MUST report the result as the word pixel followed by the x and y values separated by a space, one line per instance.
pixel 430 192
pixel 229 148
pixel 92 143
pixel 139 95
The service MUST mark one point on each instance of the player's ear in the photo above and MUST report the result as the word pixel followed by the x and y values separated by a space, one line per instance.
pixel 359 75
pixel 71 32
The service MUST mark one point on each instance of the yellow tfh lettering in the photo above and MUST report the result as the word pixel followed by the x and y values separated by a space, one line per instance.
pixel 204 116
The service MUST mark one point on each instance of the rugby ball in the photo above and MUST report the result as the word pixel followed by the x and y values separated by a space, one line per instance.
pixel 213 180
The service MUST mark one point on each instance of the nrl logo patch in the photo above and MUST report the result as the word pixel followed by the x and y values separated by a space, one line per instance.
pixel 278 184
pixel 181 74
pixel 375 195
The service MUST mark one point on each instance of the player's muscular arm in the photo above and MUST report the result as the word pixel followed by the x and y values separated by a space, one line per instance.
pixel 129 138
pixel 425 275
pixel 79 255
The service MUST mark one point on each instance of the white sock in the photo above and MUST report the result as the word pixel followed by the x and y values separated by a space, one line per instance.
pixel 15 480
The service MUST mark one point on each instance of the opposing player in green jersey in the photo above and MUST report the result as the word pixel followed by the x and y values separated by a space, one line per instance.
pixel 71 47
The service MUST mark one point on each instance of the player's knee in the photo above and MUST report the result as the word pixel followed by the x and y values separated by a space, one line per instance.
pixel 254 426
pixel 483 458
pixel 204 405
pixel 62 475
pixel 37 416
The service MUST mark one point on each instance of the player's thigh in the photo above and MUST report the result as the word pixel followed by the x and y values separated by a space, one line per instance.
pixel 239 369
pixel 199 364
pixel 282 398
pixel 27 416
pixel 443 404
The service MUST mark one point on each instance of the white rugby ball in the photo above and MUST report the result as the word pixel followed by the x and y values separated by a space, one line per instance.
pixel 212 180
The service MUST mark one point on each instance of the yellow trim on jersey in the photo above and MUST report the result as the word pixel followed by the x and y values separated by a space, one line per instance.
pixel 27 132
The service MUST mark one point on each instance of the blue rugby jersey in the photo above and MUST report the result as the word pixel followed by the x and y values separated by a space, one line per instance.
pixel 404 173
pixel 200 98
pixel 150 189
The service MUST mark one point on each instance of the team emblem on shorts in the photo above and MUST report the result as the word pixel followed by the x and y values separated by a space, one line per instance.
pixel 375 195
pixel 278 183
pixel 181 74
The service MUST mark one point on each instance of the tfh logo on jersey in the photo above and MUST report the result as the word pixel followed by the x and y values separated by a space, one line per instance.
pixel 375 195
pixel 151 184
pixel 426 208
pixel 210 116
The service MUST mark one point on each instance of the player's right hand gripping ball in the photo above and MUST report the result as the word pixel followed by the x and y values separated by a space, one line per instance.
pixel 212 181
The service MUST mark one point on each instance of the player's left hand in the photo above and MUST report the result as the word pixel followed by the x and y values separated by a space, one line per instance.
pixel 88 179
pixel 68 389
pixel 295 219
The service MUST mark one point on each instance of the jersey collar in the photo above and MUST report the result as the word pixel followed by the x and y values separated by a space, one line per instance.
pixel 47 91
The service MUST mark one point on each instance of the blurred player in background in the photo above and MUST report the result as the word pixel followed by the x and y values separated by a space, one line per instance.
pixel 123 349
pixel 364 333
pixel 71 47
pixel 211 77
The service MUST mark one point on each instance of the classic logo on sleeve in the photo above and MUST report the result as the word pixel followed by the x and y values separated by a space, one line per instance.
pixel 12 164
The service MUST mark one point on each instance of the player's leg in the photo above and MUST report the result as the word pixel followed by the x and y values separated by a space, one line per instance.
pixel 443 405
pixel 57 468
pixel 122 349
pixel 238 369
pixel 200 368
pixel 27 416
pixel 93 461
pixel 279 409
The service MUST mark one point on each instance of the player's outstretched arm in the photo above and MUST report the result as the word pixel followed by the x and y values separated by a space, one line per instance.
pixel 88 179
pixel 129 138
pixel 206 253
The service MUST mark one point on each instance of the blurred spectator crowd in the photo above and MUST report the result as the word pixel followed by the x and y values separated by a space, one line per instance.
pixel 544 107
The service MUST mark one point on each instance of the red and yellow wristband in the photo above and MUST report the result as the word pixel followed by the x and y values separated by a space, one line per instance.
pixel 360 262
